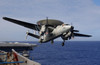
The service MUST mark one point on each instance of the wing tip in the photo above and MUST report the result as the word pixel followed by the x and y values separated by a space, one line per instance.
pixel 89 35
pixel 4 17
pixel 83 35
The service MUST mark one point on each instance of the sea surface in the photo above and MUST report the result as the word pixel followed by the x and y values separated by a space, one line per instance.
pixel 73 53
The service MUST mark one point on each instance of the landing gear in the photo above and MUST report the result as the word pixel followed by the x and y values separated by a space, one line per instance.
pixel 52 41
pixel 40 40
pixel 63 43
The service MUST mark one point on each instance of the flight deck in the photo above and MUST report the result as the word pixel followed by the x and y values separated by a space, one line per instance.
pixel 7 46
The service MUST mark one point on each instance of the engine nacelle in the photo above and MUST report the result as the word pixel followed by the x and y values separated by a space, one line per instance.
pixel 66 36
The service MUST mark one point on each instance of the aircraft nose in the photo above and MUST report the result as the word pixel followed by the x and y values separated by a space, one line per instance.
pixel 68 27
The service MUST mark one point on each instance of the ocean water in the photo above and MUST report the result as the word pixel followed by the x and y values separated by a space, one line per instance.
pixel 73 53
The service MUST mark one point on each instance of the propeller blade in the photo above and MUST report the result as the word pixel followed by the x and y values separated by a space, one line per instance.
pixel 69 37
pixel 46 20
pixel 71 30
pixel 72 36
pixel 71 24
pixel 27 34
pixel 76 30
pixel 46 31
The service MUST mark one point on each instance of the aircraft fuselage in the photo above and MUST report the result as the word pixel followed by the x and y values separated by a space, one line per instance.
pixel 55 33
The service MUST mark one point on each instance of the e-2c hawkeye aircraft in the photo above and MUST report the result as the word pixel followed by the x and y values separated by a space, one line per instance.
pixel 49 29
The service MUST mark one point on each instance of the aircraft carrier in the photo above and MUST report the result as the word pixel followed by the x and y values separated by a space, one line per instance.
pixel 14 58
pixel 8 55
pixel 7 46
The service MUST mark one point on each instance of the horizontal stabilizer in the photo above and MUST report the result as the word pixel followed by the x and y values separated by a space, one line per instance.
pixel 81 35
pixel 22 23
pixel 33 35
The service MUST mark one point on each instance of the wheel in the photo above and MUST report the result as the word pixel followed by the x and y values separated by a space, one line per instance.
pixel 63 44
pixel 52 41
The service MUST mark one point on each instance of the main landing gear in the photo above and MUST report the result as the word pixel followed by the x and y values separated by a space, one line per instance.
pixel 63 43
pixel 52 41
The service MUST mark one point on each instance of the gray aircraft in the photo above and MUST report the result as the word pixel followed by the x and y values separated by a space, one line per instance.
pixel 49 29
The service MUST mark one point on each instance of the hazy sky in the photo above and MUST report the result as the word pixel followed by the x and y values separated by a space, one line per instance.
pixel 84 14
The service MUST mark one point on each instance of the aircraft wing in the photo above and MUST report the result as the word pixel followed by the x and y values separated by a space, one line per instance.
pixel 81 35
pixel 22 23
pixel 33 35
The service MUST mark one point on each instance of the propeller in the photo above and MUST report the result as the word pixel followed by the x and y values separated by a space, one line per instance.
pixel 72 31
pixel 44 29
pixel 27 34
pixel 71 34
